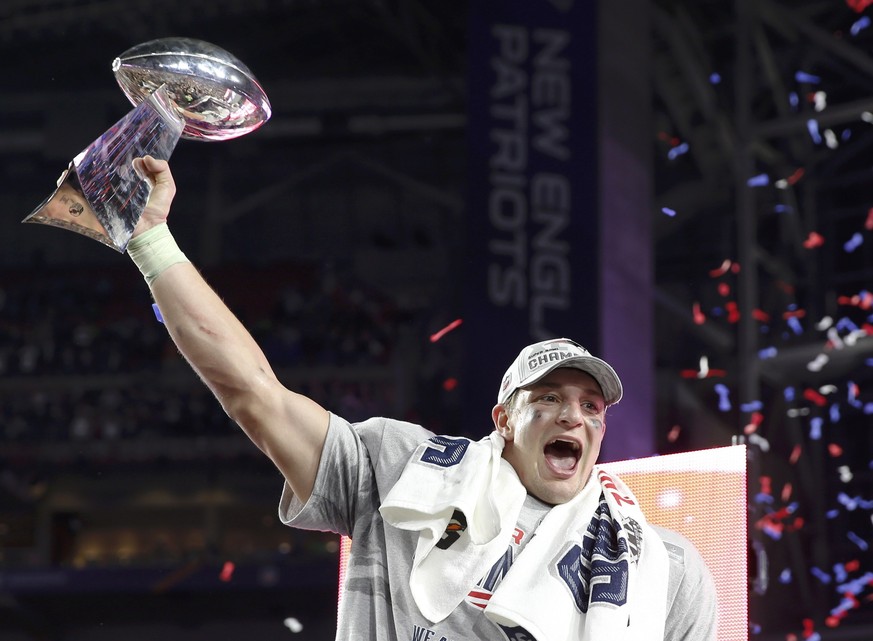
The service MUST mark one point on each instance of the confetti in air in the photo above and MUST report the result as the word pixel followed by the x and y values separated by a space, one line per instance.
pixel 806 78
pixel 853 243
pixel 761 180
pixel 227 571
pixel 677 151
pixel 445 330
pixel 859 25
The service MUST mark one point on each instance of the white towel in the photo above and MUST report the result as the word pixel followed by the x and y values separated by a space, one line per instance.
pixel 594 570
pixel 443 475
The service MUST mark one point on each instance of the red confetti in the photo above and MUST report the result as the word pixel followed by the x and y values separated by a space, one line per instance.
pixel 699 318
pixel 859 5
pixel 795 454
pixel 868 224
pixel 813 240
pixel 787 490
pixel 721 270
pixel 835 450
pixel 733 312
pixel 815 397
pixel 756 419
pixel 797 175
pixel 760 315
pixel 445 330
pixel 450 383
pixel 693 373
pixel 796 313
pixel 673 434
pixel 724 289
pixel 808 628
pixel 864 301
pixel 227 571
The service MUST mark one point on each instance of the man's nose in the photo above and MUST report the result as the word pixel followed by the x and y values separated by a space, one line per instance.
pixel 571 414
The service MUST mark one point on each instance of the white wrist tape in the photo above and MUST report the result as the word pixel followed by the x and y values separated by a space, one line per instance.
pixel 155 250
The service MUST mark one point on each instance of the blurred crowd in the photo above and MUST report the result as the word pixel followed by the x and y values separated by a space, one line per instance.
pixel 83 356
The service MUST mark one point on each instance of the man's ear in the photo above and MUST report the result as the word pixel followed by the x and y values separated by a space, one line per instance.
pixel 500 417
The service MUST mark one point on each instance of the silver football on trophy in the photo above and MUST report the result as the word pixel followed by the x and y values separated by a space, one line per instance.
pixel 214 93
pixel 180 88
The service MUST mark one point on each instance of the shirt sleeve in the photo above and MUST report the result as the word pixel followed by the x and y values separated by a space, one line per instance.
pixel 359 463
pixel 692 609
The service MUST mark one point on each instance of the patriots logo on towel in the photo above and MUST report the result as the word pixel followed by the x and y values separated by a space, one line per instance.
pixel 596 572
pixel 457 525
pixel 634 533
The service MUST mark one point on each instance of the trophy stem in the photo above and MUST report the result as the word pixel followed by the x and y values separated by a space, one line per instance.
pixel 100 195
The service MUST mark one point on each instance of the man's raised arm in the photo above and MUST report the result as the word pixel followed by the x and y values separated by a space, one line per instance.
pixel 286 426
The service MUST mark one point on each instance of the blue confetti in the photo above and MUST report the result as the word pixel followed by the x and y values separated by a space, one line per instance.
pixel 795 325
pixel 668 211
pixel 856 586
pixel 846 134
pixel 802 76
pixel 752 406
pixel 157 312
pixel 788 393
pixel 812 127
pixel 859 25
pixel 868 408
pixel 815 428
pixel 793 99
pixel 820 574
pixel 835 413
pixel 847 502
pixel 715 77
pixel 677 151
pixel 724 403
pixel 845 324
pixel 857 540
pixel 785 576
pixel 840 573
pixel 853 243
pixel 832 514
pixel 853 395
pixel 783 209
pixel 762 498
pixel 767 352
pixel 761 180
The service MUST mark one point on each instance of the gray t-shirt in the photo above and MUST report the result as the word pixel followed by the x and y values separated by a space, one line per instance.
pixel 360 463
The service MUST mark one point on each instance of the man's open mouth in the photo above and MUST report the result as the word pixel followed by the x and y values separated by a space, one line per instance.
pixel 562 455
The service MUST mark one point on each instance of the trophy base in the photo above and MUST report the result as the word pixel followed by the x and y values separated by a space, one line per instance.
pixel 100 194
pixel 67 208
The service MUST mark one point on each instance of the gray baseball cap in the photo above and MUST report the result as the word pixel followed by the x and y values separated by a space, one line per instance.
pixel 537 360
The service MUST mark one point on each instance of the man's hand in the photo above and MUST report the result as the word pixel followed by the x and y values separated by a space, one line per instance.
pixel 163 190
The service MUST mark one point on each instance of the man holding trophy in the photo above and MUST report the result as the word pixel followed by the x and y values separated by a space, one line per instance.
pixel 443 528
pixel 360 480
